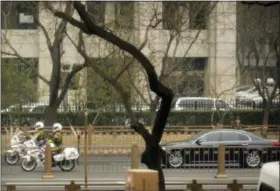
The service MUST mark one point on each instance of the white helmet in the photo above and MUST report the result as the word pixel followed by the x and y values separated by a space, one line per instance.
pixel 57 127
pixel 39 125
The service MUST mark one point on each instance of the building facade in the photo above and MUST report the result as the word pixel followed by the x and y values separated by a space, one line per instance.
pixel 208 51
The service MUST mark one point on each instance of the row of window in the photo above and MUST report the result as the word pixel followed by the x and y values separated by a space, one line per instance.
pixel 22 15
pixel 224 136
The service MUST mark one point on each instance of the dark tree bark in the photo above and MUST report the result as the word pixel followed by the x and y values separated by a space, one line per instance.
pixel 152 154
pixel 261 3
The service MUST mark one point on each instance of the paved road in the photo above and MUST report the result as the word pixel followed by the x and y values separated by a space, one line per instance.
pixel 112 169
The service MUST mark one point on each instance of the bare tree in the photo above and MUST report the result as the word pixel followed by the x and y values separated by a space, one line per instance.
pixel 152 155
pixel 54 46
pixel 183 74
pixel 258 51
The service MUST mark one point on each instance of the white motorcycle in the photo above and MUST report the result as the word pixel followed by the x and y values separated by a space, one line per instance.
pixel 66 160
pixel 18 147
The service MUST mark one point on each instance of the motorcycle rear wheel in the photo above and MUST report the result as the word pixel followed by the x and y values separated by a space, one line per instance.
pixel 28 166
pixel 67 165
pixel 12 159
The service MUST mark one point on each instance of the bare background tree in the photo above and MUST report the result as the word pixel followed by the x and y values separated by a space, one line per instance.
pixel 258 51
pixel 54 36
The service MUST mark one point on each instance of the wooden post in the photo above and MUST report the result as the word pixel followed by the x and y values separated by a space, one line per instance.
pixel 134 156
pixel 194 186
pixel 235 186
pixel 221 162
pixel 79 142
pixel 86 149
pixel 48 163
pixel 90 136
pixel 72 187
pixel 11 188
pixel 141 180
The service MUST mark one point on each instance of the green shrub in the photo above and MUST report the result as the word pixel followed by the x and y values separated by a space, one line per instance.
pixel 252 117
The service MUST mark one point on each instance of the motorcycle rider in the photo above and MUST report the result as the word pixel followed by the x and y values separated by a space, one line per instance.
pixel 56 137
pixel 39 127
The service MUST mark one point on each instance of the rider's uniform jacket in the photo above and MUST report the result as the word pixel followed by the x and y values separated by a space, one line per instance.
pixel 57 139
pixel 40 135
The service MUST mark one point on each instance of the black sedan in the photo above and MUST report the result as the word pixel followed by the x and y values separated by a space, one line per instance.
pixel 243 148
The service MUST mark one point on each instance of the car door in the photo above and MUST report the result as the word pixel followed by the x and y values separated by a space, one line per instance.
pixel 233 142
pixel 208 152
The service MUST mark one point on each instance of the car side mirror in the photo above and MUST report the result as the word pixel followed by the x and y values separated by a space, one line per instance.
pixel 198 141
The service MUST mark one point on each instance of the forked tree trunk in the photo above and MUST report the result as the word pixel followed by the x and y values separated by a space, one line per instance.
pixel 265 118
pixel 151 157
pixel 51 115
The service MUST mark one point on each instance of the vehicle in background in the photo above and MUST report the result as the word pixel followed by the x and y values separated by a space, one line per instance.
pixel 202 149
pixel 269 177
pixel 200 103
pixel 245 94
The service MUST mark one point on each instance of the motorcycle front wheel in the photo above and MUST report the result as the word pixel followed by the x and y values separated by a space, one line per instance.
pixel 28 166
pixel 67 165
pixel 12 159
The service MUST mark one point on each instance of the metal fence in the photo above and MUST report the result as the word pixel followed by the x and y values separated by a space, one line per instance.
pixel 237 160
pixel 192 185
pixel 40 107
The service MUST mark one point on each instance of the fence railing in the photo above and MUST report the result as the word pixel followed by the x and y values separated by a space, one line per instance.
pixel 127 129
pixel 117 107
pixel 192 185
pixel 115 140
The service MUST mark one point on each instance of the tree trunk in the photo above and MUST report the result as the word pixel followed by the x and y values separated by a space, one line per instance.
pixel 151 157
pixel 265 118
pixel 50 115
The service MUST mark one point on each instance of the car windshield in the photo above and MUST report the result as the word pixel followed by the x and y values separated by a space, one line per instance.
pixel 197 135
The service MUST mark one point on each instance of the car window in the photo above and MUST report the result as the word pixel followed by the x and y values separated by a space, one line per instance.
pixel 39 109
pixel 185 103
pixel 209 104
pixel 230 136
pixel 242 137
pixel 211 137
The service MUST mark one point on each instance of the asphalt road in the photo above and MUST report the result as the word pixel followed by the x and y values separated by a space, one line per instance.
pixel 112 169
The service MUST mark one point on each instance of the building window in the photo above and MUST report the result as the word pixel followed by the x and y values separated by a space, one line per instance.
pixel 65 70
pixel 186 75
pixel 177 14
pixel 198 14
pixel 124 14
pixel 96 10
pixel 19 15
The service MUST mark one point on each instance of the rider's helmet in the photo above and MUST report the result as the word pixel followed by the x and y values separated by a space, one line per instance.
pixel 39 125
pixel 57 127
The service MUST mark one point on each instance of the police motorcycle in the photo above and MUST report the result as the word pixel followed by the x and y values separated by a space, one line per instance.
pixel 65 160
pixel 19 145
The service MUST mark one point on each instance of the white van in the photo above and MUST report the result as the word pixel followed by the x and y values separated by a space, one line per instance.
pixel 269 177
pixel 200 103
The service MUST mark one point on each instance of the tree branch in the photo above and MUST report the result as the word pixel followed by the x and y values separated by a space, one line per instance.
pixel 141 46
pixel 261 3
pixel 68 18
pixel 68 80
pixel 155 85
pixel 59 33
pixel 49 44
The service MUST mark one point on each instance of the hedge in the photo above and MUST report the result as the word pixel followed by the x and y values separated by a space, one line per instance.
pixel 253 117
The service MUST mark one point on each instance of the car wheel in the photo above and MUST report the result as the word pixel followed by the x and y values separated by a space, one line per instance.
pixel 253 159
pixel 175 159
